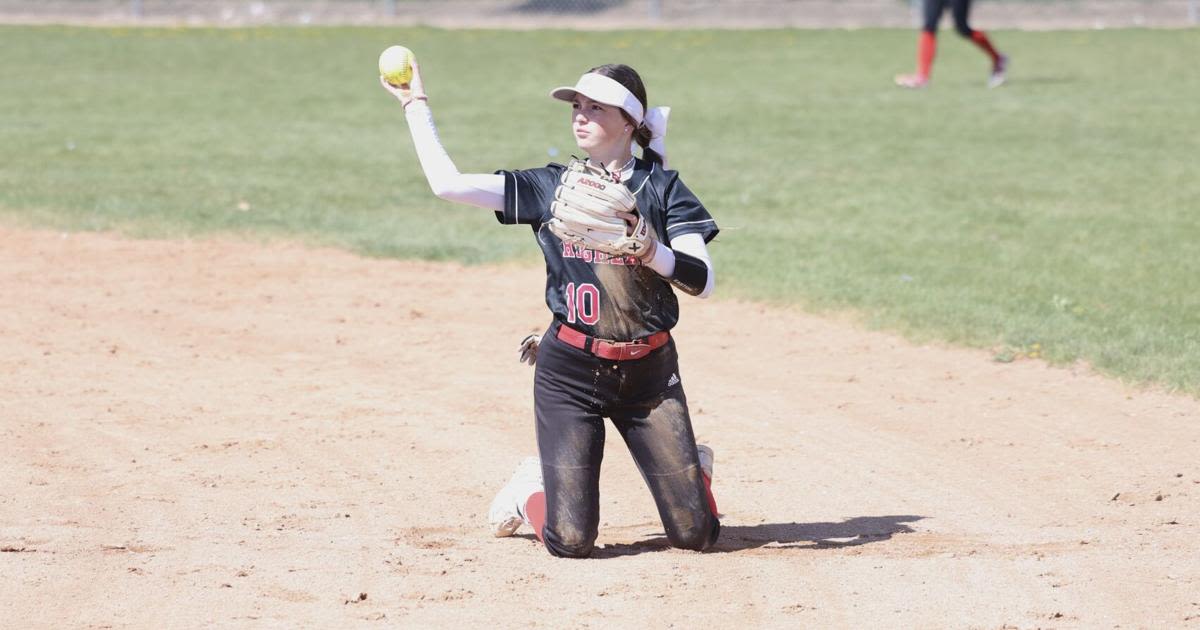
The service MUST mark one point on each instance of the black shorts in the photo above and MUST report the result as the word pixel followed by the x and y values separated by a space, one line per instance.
pixel 958 10
pixel 573 392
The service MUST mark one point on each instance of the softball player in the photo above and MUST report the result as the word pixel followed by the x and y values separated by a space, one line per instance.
pixel 617 232
pixel 927 44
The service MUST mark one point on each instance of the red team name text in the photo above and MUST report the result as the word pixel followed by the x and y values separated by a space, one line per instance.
pixel 574 250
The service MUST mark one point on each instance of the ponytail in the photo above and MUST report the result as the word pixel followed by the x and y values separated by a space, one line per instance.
pixel 642 136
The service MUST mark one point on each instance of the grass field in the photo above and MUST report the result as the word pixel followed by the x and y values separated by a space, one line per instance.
pixel 1058 217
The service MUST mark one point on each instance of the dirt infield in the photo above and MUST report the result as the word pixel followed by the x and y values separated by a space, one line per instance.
pixel 233 434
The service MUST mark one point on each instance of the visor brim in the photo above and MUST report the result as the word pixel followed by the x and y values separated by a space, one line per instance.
pixel 564 93
pixel 568 94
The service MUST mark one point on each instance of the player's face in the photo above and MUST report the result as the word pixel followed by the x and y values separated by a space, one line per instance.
pixel 598 126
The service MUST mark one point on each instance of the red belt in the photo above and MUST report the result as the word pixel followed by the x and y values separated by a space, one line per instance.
pixel 613 350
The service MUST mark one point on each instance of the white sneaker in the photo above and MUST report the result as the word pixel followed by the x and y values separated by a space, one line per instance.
pixel 999 72
pixel 911 81
pixel 505 515
pixel 706 459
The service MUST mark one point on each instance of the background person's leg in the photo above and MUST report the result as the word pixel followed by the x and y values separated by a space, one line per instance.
pixel 960 10
pixel 926 46
pixel 927 39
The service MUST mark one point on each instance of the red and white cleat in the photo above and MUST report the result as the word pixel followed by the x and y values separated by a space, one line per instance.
pixel 706 459
pixel 706 466
pixel 911 81
pixel 999 71
pixel 505 515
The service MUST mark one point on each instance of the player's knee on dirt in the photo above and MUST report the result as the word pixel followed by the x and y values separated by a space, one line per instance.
pixel 569 545
pixel 697 534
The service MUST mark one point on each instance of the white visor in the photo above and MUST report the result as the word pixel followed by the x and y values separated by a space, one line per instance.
pixel 602 89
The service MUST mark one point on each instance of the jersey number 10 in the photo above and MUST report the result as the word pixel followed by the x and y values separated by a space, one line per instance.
pixel 583 304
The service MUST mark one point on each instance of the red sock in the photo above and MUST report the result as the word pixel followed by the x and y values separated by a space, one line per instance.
pixel 981 40
pixel 535 512
pixel 926 49
pixel 712 502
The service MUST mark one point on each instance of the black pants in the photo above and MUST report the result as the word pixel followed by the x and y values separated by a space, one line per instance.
pixel 573 392
pixel 958 8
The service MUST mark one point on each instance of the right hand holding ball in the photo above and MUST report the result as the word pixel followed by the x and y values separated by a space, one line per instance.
pixel 400 75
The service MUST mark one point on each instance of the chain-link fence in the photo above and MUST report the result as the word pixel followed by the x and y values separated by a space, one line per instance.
pixel 603 13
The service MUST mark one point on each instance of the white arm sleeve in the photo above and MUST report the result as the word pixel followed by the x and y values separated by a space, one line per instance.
pixel 691 244
pixel 480 190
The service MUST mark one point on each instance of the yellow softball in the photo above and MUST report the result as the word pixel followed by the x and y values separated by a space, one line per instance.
pixel 395 65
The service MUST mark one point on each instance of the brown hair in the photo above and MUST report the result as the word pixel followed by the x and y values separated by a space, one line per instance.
pixel 629 78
